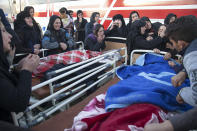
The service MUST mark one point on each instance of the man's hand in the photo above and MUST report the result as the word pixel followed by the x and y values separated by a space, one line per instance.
pixel 156 50
pixel 165 126
pixel 178 79
pixel 179 99
pixel 167 56
pixel 171 63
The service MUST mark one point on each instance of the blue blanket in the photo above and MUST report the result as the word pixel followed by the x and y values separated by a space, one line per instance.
pixel 150 83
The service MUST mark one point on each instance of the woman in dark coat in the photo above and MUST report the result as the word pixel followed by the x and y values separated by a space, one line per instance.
pixel 170 18
pixel 15 86
pixel 137 40
pixel 30 38
pixel 134 15
pixel 36 25
pixel 96 40
pixel 55 36
pixel 94 19
pixel 118 27
pixel 80 23
pixel 150 30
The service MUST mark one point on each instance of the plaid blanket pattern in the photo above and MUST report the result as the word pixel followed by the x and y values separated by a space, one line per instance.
pixel 69 57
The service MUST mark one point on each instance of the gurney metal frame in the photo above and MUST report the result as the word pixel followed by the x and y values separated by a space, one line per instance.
pixel 146 51
pixel 27 119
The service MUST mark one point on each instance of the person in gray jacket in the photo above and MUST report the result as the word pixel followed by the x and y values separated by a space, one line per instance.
pixel 183 35
pixel 55 37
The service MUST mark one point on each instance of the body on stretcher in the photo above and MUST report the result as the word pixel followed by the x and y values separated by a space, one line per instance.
pixel 54 97
pixel 63 124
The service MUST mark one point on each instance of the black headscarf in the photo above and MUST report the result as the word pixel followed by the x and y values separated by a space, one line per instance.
pixel 136 26
pixel 133 12
pixel 120 17
pixel 4 65
pixel 35 24
pixel 3 61
pixel 28 8
pixel 168 17
pixel 92 18
pixel 20 20
pixel 51 22
pixel 50 27
pixel 144 18
pixel 135 31
pixel 78 12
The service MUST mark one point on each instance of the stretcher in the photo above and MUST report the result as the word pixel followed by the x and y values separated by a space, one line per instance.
pixel 65 119
pixel 71 91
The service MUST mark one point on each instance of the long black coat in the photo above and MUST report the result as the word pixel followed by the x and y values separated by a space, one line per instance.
pixel 80 30
pixel 15 88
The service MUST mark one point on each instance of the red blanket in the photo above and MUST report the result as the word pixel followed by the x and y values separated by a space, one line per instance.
pixel 132 118
pixel 69 57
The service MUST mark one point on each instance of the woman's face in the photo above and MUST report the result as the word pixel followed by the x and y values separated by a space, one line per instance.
pixel 57 24
pixel 6 37
pixel 28 21
pixel 134 17
pixel 80 15
pixel 101 31
pixel 119 22
pixel 148 25
pixel 143 28
pixel 97 17
pixel 172 19
pixel 162 28
pixel 31 12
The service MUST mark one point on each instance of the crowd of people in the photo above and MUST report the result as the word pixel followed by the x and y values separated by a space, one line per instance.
pixel 176 36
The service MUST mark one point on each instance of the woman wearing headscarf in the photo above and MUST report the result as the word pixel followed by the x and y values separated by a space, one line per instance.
pixel 16 85
pixel 118 27
pixel 55 37
pixel 66 20
pixel 170 18
pixel 96 40
pixel 150 30
pixel 80 23
pixel 36 25
pixel 93 21
pixel 137 40
pixel 4 20
pixel 134 15
pixel 30 38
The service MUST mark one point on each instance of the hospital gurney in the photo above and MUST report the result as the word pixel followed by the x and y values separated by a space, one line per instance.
pixel 61 125
pixel 30 117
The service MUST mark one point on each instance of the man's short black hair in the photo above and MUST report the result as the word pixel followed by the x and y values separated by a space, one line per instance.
pixel 184 28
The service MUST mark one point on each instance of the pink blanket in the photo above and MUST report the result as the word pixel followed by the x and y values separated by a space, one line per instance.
pixel 134 117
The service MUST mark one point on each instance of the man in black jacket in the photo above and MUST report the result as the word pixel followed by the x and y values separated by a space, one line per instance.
pixel 15 86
